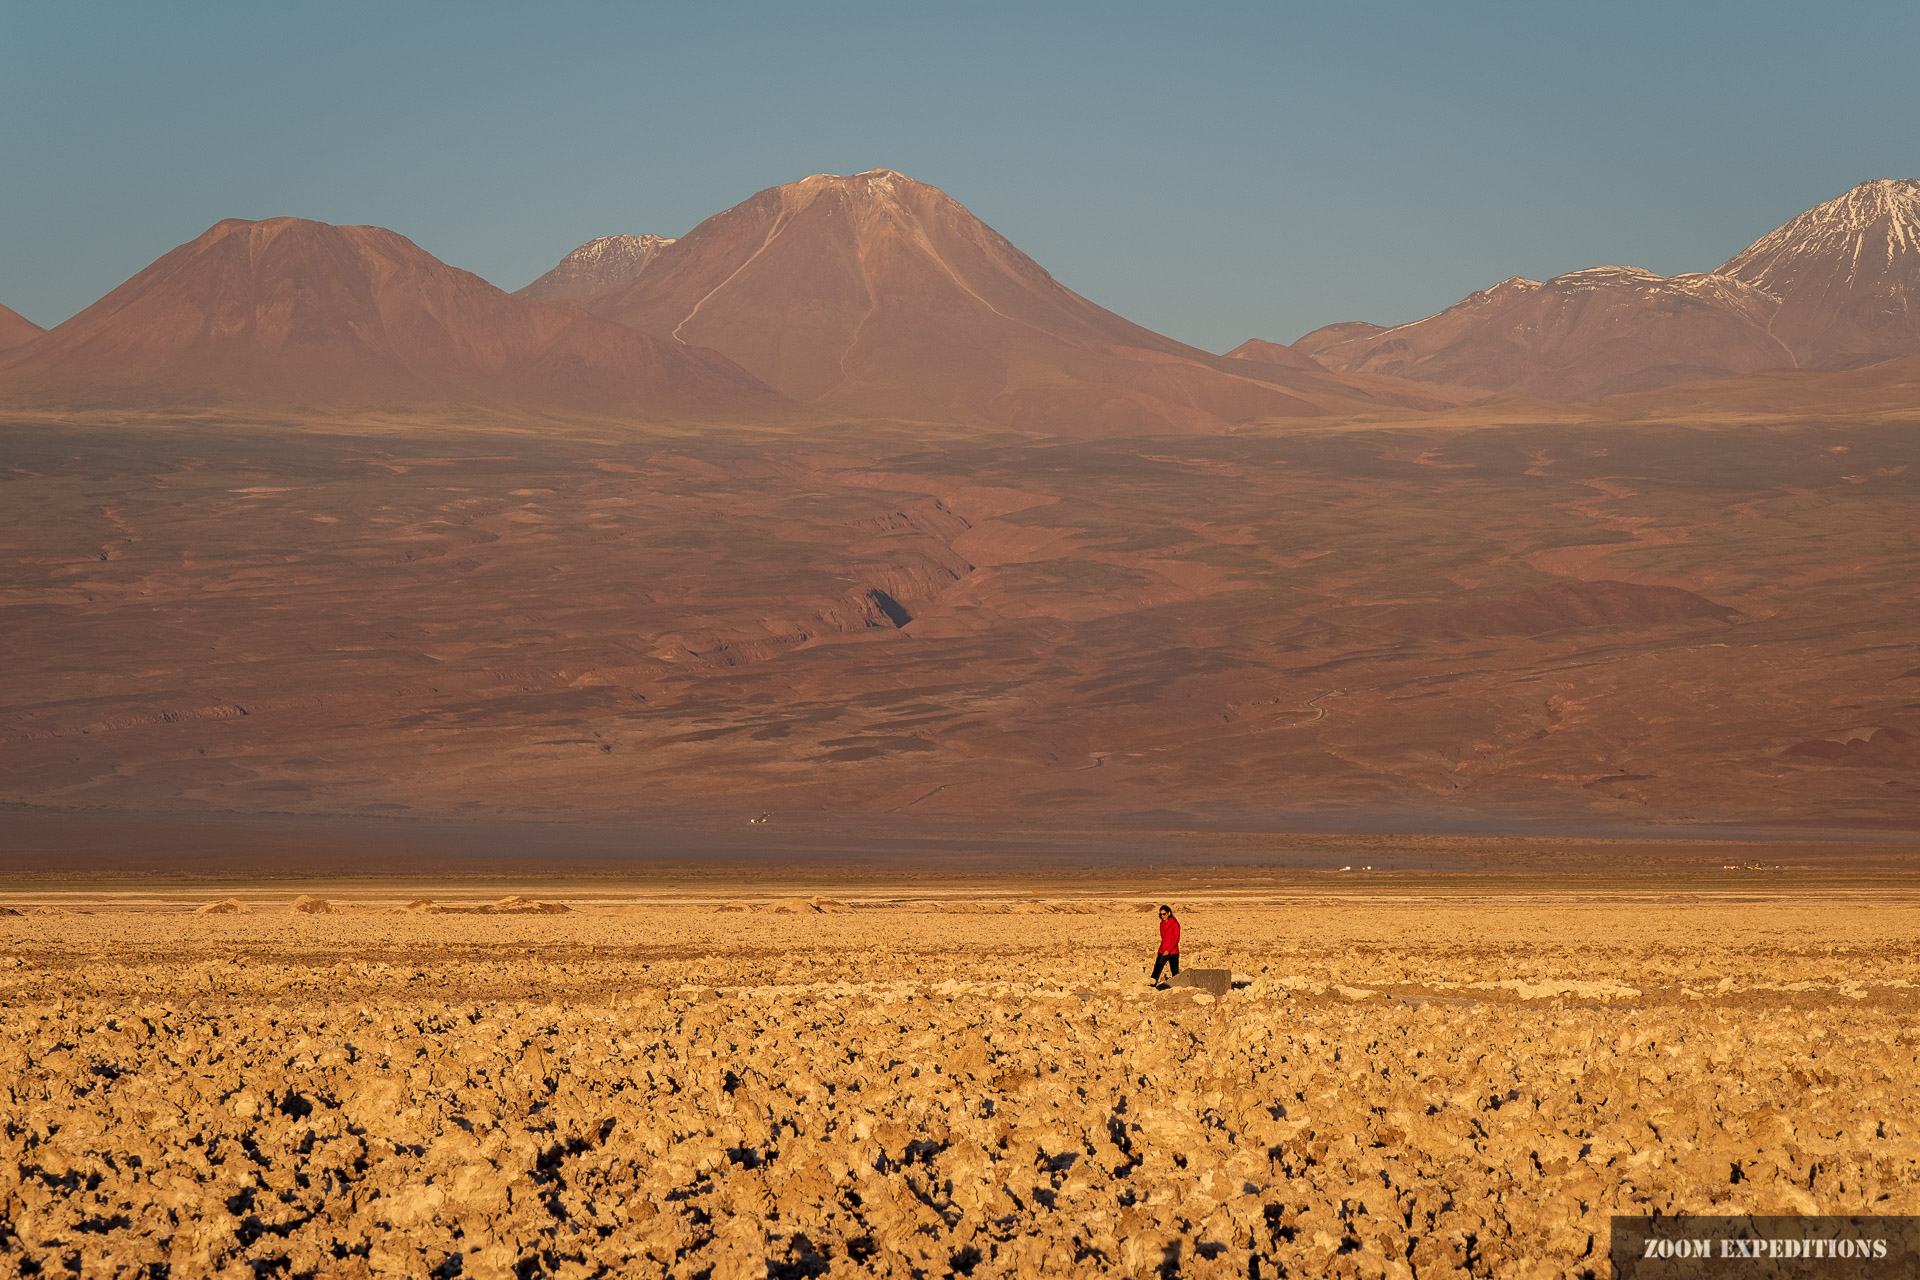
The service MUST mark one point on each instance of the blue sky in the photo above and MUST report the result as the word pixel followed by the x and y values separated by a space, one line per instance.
pixel 1213 171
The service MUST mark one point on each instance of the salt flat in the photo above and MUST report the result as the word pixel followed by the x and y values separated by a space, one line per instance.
pixel 849 1081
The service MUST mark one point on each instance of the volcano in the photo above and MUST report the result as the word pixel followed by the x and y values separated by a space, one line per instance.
pixel 876 295
pixel 1846 274
pixel 596 267
pixel 292 313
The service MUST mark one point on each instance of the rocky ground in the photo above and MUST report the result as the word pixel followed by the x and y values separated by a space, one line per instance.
pixel 875 1086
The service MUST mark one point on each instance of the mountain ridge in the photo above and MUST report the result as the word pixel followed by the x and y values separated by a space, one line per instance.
pixel 1835 287
pixel 290 311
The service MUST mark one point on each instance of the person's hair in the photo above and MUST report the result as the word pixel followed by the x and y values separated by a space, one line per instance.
pixel 1164 907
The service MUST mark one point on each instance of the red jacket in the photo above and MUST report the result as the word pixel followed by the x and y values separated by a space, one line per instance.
pixel 1170 937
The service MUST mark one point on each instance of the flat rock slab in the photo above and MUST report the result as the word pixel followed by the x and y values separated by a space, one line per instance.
pixel 1215 982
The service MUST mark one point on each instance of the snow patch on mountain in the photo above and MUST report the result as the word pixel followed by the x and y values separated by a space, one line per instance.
pixel 596 267
pixel 1876 222
pixel 1846 274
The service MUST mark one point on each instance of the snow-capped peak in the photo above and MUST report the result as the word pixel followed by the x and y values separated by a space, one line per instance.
pixel 612 251
pixel 597 266
pixel 869 182
pixel 1879 219
pixel 1846 274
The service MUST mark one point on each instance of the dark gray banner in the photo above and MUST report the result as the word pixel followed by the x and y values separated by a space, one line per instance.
pixel 1823 1248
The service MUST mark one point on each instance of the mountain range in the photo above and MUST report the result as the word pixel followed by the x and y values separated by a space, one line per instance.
pixel 871 296
pixel 287 312
pixel 1837 287
pixel 876 296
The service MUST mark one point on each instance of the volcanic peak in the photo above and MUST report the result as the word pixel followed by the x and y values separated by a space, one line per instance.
pixel 877 196
pixel 1889 207
pixel 878 295
pixel 880 182
pixel 1896 200
pixel 606 249
pixel 1847 274
pixel 596 267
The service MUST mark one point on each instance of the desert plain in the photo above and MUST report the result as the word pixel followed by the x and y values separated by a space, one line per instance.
pixel 1439 622
pixel 1460 1062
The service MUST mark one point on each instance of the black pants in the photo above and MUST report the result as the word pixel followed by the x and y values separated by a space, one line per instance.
pixel 1161 962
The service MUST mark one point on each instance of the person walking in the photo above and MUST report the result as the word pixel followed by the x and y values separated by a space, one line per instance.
pixel 1169 944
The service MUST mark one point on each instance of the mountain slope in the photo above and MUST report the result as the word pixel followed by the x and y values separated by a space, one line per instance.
pixel 1329 335
pixel 1886 387
pixel 16 329
pixel 877 295
pixel 1847 274
pixel 291 312
pixel 596 267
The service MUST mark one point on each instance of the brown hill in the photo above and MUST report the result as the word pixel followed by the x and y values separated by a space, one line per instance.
pixel 1273 353
pixel 1578 336
pixel 16 329
pixel 1847 274
pixel 291 312
pixel 877 295
pixel 1270 358
pixel 596 267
